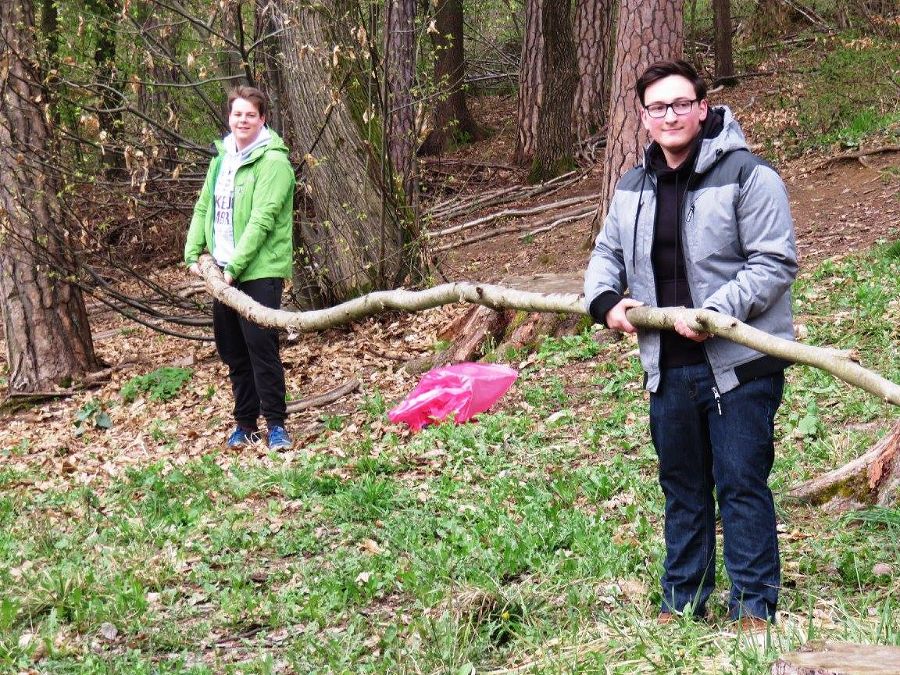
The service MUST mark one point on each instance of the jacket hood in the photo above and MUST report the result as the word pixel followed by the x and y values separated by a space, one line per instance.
pixel 719 135
pixel 275 143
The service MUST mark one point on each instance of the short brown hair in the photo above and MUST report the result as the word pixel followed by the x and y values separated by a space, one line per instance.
pixel 252 94
pixel 664 69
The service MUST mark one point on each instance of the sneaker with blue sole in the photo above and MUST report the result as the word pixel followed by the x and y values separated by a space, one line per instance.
pixel 279 439
pixel 241 437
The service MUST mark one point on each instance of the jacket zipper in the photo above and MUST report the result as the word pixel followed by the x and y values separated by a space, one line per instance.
pixel 687 217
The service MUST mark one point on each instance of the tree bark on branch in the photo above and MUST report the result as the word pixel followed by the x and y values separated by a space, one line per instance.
pixel 840 364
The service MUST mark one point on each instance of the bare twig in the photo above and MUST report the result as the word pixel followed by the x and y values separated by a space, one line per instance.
pixel 516 213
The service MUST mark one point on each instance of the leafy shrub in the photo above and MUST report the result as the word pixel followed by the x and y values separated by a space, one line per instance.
pixel 161 385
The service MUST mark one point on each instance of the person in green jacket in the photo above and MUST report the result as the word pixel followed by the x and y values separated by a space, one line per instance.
pixel 244 219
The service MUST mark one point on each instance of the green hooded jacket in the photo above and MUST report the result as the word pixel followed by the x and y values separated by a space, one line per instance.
pixel 263 214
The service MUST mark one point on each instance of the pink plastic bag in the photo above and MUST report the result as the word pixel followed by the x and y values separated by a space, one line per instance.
pixel 462 390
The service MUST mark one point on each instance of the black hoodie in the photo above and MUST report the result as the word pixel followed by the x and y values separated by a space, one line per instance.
pixel 672 184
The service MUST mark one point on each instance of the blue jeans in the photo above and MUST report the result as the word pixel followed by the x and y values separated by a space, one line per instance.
pixel 727 446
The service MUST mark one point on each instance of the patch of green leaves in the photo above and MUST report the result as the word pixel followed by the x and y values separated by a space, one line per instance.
pixel 92 415
pixel 163 384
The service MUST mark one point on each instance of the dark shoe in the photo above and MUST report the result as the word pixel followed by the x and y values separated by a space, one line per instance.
pixel 665 618
pixel 241 437
pixel 751 624
pixel 279 439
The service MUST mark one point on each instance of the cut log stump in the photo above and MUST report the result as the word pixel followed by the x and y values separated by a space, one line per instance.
pixel 872 479
pixel 482 329
pixel 839 658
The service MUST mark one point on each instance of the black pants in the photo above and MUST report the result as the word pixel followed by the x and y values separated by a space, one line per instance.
pixel 251 353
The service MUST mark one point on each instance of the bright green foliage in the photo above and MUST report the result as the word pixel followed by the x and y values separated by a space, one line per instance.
pixel 162 384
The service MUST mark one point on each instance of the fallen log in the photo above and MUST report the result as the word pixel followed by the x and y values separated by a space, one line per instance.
pixel 839 658
pixel 872 479
pixel 842 365
pixel 324 398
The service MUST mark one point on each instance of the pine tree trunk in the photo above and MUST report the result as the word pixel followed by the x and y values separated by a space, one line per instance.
pixel 593 35
pixel 452 120
pixel 400 71
pixel 48 339
pixel 360 238
pixel 555 140
pixel 724 60
pixel 531 84
pixel 272 80
pixel 648 31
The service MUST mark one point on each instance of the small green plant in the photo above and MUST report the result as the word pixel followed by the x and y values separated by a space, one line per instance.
pixel 374 404
pixel 160 433
pixel 162 384
pixel 333 422
pixel 92 415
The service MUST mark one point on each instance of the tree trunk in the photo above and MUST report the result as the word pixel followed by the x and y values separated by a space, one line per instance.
pixel 453 123
pixel 360 238
pixel 270 68
pixel 555 141
pixel 48 339
pixel 724 60
pixel 531 83
pixel 648 31
pixel 593 27
pixel 233 59
pixel 400 72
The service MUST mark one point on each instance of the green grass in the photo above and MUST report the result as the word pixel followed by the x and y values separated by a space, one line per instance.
pixel 507 541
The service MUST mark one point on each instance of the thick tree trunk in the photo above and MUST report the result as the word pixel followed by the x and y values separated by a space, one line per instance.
pixel 360 238
pixel 48 339
pixel 453 123
pixel 724 60
pixel 555 141
pixel 400 72
pixel 593 35
pixel 531 84
pixel 648 31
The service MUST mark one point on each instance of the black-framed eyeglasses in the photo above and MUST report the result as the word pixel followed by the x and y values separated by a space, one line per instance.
pixel 657 110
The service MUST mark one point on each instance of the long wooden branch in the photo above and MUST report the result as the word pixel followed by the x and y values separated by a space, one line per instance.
pixel 839 364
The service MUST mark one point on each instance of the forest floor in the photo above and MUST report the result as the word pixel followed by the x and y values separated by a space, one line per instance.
pixel 530 540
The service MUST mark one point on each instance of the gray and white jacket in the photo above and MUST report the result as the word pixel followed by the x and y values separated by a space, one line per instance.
pixel 738 240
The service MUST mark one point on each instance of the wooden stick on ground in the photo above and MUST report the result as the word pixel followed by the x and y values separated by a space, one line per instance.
pixel 324 398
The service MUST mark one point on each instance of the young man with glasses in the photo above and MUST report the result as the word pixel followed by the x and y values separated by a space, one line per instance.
pixel 703 223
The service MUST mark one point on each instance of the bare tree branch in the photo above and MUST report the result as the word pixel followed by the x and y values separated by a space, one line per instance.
pixel 840 364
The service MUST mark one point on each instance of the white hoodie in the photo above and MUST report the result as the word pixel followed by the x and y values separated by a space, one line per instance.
pixel 223 203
